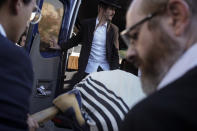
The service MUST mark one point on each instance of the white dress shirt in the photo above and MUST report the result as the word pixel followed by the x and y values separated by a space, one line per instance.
pixel 2 31
pixel 182 66
pixel 98 50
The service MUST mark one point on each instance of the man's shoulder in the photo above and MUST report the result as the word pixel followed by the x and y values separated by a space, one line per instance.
pixel 8 46
pixel 168 106
pixel 149 110
pixel 188 77
pixel 10 53
pixel 183 85
pixel 115 27
pixel 88 21
pixel 172 96
pixel 4 40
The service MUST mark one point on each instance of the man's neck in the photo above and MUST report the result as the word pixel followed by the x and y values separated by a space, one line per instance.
pixel 191 38
pixel 101 20
pixel 4 20
pixel 7 23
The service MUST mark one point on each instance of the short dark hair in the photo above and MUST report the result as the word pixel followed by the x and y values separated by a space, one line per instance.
pixel 25 2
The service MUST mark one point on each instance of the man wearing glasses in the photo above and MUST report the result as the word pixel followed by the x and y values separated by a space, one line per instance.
pixel 16 74
pixel 161 36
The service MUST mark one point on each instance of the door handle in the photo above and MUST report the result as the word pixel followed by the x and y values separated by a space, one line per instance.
pixel 42 91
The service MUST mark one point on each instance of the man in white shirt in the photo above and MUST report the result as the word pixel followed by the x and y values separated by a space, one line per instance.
pixel 161 35
pixel 99 40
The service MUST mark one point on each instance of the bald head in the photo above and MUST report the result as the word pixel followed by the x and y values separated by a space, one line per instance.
pixel 158 42
pixel 134 12
pixel 149 6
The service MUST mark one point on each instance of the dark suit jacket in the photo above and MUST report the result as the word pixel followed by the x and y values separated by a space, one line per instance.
pixel 85 37
pixel 173 108
pixel 16 79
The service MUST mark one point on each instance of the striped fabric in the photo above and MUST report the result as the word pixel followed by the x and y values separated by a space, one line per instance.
pixel 106 97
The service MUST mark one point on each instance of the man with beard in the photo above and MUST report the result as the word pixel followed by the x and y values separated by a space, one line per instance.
pixel 161 35
pixel 99 40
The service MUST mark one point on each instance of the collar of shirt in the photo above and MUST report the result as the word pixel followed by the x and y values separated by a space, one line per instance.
pixel 2 31
pixel 183 65
pixel 97 22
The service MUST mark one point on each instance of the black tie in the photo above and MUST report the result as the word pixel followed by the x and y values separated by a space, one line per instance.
pixel 99 69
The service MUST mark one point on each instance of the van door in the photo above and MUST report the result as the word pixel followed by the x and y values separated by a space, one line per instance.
pixel 58 18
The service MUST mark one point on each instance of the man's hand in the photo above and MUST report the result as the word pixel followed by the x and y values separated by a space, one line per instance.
pixel 53 44
pixel 55 48
pixel 32 124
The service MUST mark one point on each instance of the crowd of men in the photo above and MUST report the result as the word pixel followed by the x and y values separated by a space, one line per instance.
pixel 161 39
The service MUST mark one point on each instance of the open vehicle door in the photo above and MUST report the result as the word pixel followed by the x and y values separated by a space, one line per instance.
pixel 58 18
pixel 57 24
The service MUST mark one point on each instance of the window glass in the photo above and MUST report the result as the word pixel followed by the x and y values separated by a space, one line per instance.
pixel 49 26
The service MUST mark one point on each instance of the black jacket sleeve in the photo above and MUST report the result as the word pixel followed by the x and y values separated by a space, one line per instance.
pixel 115 53
pixel 75 40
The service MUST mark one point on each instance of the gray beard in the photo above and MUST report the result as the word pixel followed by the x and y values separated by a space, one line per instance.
pixel 150 81
pixel 155 68
pixel 148 86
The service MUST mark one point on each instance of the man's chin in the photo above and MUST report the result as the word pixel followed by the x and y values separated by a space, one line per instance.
pixel 149 85
pixel 110 18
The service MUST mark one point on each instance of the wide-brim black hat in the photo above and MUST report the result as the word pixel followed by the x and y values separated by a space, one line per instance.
pixel 111 3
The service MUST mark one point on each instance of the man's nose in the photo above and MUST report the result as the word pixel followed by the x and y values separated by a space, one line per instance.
pixel 131 54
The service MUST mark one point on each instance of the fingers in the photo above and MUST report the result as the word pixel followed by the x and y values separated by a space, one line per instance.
pixel 54 44
pixel 33 125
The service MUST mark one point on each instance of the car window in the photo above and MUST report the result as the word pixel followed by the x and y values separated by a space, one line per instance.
pixel 50 24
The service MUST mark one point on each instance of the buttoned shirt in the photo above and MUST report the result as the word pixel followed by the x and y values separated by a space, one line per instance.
pixel 2 31
pixel 187 61
pixel 98 50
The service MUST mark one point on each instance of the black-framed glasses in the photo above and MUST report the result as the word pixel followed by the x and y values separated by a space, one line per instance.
pixel 125 33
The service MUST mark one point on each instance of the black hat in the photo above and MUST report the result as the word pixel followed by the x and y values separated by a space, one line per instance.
pixel 111 3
